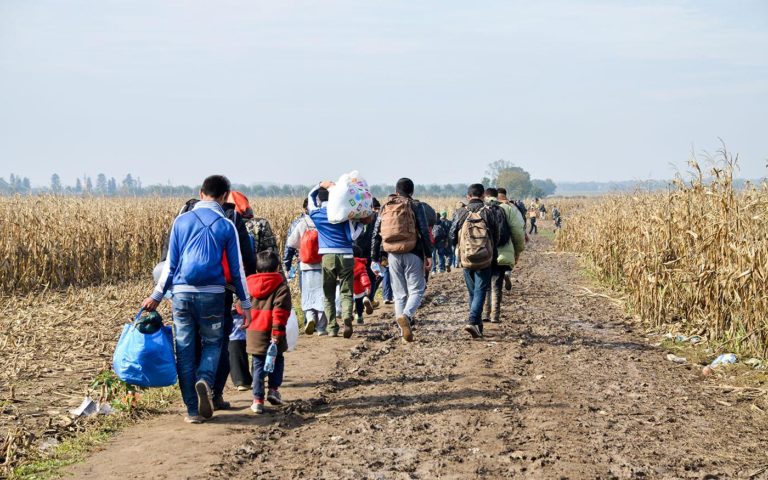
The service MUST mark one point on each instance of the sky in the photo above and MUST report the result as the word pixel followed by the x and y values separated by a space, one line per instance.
pixel 295 91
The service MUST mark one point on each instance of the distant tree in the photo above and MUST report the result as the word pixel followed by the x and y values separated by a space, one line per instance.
pixel 128 184
pixel 101 184
pixel 78 186
pixel 544 188
pixel 55 183
pixel 26 185
pixel 88 185
pixel 112 187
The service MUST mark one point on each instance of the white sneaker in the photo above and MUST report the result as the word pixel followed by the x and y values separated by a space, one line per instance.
pixel 257 407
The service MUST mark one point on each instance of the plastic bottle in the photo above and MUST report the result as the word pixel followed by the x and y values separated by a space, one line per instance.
pixel 269 362
pixel 376 268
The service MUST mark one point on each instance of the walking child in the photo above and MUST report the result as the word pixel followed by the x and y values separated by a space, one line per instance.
pixel 272 307
pixel 362 286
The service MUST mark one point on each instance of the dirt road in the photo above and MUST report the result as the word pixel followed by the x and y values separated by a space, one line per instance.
pixel 565 387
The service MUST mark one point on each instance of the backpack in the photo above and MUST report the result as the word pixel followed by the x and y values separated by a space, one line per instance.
pixel 505 235
pixel 398 225
pixel 438 231
pixel 475 244
pixel 309 247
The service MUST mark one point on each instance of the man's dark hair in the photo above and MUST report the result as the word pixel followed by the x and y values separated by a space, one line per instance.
pixel 322 194
pixel 491 192
pixel 376 203
pixel 476 190
pixel 404 187
pixel 216 186
pixel 502 191
pixel 305 203
pixel 267 261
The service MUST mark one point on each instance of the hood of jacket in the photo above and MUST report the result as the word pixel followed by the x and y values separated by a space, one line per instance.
pixel 262 285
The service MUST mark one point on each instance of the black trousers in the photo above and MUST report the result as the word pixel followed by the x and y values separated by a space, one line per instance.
pixel 239 366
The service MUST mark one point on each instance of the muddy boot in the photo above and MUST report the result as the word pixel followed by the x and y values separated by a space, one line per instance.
pixel 507 283
pixel 473 330
pixel 348 328
pixel 334 331
pixel 368 306
pixel 405 328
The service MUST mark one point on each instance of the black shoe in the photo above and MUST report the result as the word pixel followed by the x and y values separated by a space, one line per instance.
pixel 368 306
pixel 507 283
pixel 485 320
pixel 473 330
pixel 204 401
pixel 220 404
pixel 348 328
pixel 334 331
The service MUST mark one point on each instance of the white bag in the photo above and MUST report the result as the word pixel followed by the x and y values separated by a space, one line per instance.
pixel 292 331
pixel 349 199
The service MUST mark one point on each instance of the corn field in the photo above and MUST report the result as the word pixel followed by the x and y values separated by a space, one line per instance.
pixel 693 259
pixel 53 242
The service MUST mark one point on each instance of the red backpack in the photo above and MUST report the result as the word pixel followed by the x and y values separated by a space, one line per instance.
pixel 309 248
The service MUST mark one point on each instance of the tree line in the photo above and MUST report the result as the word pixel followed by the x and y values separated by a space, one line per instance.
pixel 515 179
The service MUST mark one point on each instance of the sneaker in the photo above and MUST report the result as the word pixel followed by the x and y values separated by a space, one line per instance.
pixel 405 328
pixel 273 397
pixel 335 331
pixel 388 302
pixel 486 320
pixel 322 333
pixel 375 304
pixel 194 419
pixel 495 320
pixel 243 388
pixel 204 396
pixel 507 283
pixel 359 320
pixel 220 404
pixel 448 268
pixel 348 328
pixel 309 328
pixel 473 330
pixel 257 407
pixel 368 306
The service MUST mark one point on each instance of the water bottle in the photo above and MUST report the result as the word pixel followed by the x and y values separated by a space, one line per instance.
pixel 269 362
pixel 376 268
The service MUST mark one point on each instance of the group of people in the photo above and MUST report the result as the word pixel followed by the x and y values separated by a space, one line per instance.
pixel 217 250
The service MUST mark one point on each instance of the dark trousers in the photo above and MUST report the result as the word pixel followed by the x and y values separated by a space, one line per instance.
pixel 240 368
pixel 222 372
pixel 274 379
pixel 534 228
pixel 478 283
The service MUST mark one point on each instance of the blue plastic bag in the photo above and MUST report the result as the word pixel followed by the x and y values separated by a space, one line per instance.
pixel 145 360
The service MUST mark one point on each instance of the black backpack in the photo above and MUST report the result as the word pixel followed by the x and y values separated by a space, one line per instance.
pixel 505 235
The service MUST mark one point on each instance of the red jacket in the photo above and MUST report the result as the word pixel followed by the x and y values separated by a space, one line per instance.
pixel 270 312
pixel 362 280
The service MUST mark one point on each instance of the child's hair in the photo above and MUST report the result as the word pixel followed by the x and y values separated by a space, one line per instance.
pixel 267 261
pixel 357 251
pixel 322 194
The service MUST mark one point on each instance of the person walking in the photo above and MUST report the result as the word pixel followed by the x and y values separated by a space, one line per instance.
pixel 304 241
pixel 402 232
pixel 194 273
pixel 532 214
pixel 476 233
pixel 336 242
pixel 511 245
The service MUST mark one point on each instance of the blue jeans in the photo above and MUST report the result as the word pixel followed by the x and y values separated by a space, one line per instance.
pixel 386 286
pixel 275 378
pixel 438 258
pixel 478 283
pixel 197 317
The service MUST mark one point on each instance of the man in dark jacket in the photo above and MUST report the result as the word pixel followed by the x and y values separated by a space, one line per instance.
pixel 477 274
pixel 406 268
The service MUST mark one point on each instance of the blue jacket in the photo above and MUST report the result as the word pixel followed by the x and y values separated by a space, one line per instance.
pixel 199 240
pixel 332 237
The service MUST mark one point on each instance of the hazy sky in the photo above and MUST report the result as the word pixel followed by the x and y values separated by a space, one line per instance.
pixel 292 91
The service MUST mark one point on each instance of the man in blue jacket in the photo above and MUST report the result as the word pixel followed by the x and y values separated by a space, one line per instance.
pixel 194 272
pixel 336 242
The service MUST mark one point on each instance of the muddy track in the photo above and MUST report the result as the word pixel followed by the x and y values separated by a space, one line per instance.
pixel 565 387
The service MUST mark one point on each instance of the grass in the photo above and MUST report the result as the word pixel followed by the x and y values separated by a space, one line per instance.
pixel 76 448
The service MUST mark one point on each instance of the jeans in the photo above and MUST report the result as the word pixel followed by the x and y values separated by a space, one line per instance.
pixel 338 267
pixel 386 285
pixel 406 272
pixel 275 378
pixel 477 282
pixel 438 258
pixel 197 316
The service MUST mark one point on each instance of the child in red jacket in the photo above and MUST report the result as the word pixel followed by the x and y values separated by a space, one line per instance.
pixel 271 309
pixel 362 285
